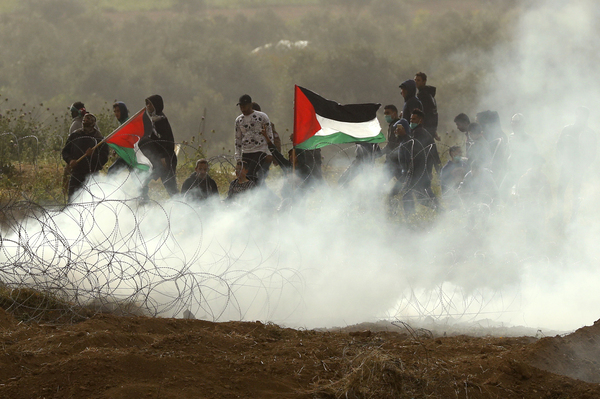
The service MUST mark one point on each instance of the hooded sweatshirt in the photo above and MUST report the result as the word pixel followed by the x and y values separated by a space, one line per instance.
pixel 159 143
pixel 427 97
pixel 124 111
pixel 411 101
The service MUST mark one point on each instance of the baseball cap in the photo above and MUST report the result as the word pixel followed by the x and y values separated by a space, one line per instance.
pixel 245 99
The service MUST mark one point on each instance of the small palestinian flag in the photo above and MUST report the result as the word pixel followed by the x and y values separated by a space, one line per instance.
pixel 319 122
pixel 124 140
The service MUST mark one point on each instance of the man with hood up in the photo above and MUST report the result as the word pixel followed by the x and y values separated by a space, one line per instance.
pixel 158 145
pixel 426 95
pixel 408 88
pixel 80 143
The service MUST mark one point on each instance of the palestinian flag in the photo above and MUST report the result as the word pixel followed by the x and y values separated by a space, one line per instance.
pixel 124 140
pixel 319 122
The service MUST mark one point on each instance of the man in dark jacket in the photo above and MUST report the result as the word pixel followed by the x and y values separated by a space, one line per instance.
pixel 424 157
pixel 390 113
pixel 159 146
pixel 82 142
pixel 426 95
pixel 199 185
pixel 408 88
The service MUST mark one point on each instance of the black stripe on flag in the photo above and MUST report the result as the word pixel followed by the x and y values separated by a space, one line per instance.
pixel 344 113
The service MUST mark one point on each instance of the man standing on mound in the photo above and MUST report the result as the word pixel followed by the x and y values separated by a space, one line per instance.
pixel 250 145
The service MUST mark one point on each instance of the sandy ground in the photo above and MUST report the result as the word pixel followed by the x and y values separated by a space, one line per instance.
pixel 137 357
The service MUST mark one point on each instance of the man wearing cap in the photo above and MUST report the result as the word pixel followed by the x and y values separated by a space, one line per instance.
pixel 81 143
pixel 250 145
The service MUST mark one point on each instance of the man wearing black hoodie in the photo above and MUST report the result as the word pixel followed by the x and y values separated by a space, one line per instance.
pixel 426 95
pixel 159 146
pixel 408 89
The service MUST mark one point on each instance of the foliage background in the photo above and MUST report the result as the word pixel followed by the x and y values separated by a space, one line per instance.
pixel 199 55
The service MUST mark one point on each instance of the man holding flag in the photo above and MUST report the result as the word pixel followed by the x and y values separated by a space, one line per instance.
pixel 84 153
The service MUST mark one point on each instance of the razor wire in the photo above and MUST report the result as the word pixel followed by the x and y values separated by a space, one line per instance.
pixel 110 252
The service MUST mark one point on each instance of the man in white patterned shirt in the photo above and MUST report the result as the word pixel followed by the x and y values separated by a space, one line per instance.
pixel 250 145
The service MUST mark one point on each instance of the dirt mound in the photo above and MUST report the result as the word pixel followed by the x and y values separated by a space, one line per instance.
pixel 576 355
pixel 129 357
pixel 7 321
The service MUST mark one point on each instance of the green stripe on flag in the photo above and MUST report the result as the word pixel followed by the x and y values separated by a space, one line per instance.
pixel 128 155
pixel 337 138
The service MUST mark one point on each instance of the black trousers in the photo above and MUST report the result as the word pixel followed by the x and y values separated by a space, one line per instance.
pixel 258 166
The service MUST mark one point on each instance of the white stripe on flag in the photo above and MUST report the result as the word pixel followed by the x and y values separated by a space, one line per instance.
pixel 355 129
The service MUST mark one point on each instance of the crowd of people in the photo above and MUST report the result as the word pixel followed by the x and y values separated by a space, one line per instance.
pixel 490 168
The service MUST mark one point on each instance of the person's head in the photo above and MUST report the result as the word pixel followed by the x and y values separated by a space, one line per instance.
pixel 255 106
pixel 77 109
pixel 245 104
pixel 475 131
pixel 582 115
pixel 89 120
pixel 487 118
pixel 120 110
pixel 154 104
pixel 462 122
pixel 416 118
pixel 390 112
pixel 241 169
pixel 455 153
pixel 201 168
pixel 408 89
pixel 149 106
pixel 402 128
pixel 517 123
pixel 420 80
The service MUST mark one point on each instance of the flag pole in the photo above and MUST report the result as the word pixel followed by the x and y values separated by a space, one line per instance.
pixel 294 145
pixel 110 135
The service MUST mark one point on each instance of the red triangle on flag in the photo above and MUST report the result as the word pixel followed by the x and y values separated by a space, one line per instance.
pixel 129 132
pixel 305 118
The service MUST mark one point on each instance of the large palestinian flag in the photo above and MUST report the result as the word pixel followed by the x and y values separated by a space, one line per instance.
pixel 319 122
pixel 124 140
